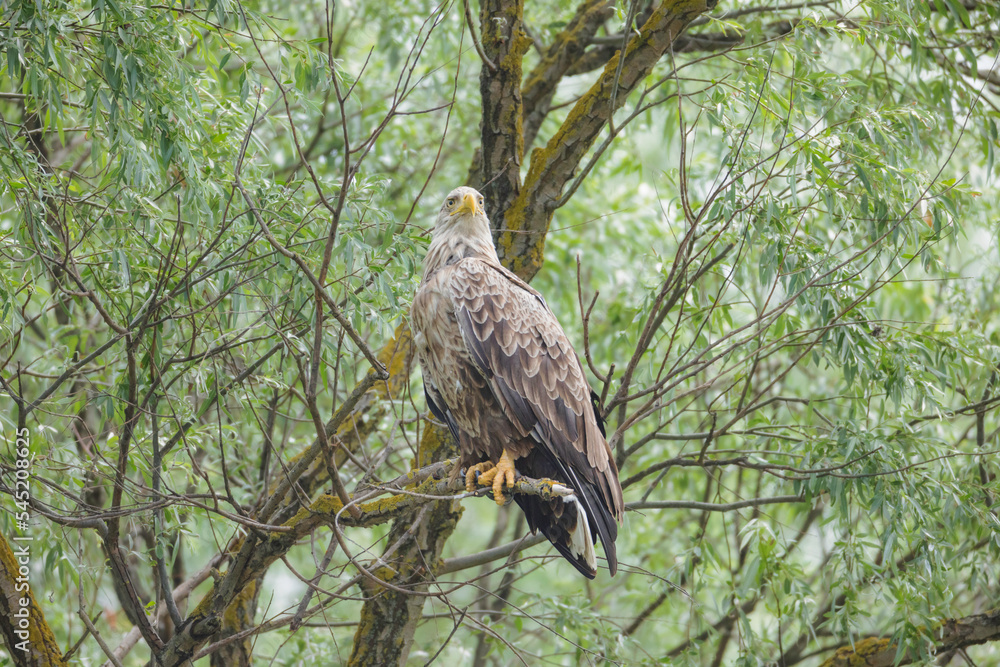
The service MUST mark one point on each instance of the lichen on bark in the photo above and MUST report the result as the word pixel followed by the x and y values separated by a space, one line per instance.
pixel 389 617
pixel 40 648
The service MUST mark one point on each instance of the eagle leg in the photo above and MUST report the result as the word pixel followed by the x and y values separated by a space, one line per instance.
pixel 502 473
pixel 473 474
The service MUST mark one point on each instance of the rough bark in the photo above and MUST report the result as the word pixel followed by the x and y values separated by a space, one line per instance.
pixel 952 635
pixel 522 240
pixel 568 47
pixel 256 552
pixel 434 479
pixel 238 617
pixel 505 44
pixel 39 649
pixel 389 617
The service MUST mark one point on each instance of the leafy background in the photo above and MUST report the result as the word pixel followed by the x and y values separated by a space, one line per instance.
pixel 838 354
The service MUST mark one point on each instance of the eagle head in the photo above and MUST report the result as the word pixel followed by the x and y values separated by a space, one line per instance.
pixel 463 201
pixel 462 214
pixel 462 230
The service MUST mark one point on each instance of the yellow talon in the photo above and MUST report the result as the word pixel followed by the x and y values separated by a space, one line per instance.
pixel 470 475
pixel 502 473
pixel 490 474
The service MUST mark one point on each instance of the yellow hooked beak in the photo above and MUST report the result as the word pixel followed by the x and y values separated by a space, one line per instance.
pixel 468 205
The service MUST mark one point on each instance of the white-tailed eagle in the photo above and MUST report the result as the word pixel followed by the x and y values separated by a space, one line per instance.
pixel 500 372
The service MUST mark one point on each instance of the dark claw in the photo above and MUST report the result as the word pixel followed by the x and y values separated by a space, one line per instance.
pixel 477 474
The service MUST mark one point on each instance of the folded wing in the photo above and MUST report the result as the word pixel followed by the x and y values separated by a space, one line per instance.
pixel 536 376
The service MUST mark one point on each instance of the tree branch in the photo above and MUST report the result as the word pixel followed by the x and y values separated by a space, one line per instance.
pixel 522 238
pixel 567 48
pixel 505 44
pixel 953 634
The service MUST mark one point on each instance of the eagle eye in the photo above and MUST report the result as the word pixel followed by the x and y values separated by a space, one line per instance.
pixel 451 202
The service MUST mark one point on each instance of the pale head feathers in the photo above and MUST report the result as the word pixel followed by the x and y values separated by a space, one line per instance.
pixel 462 230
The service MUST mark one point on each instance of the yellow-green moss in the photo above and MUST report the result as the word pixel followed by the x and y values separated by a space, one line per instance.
pixel 204 605
pixel 325 505
pixel 383 505
pixel 511 63
pixel 40 636
pixel 436 444
pixel 860 654
pixel 396 356
pixel 241 609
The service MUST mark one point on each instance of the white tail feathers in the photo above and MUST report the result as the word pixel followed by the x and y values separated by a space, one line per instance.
pixel 582 542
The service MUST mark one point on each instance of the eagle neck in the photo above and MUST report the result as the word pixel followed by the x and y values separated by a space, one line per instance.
pixel 448 247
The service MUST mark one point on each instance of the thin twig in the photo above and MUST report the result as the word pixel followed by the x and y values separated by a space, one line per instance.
pixel 475 40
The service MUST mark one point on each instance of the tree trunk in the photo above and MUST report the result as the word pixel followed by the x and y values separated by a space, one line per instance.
pixel 520 213
pixel 389 617
pixel 238 617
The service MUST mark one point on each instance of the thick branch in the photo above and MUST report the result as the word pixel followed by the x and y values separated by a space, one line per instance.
pixel 565 50
pixel 525 223
pixel 953 634
pixel 505 44
pixel 390 616
pixel 347 427
pixel 435 485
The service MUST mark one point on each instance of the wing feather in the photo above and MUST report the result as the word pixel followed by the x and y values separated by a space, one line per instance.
pixel 517 343
pixel 443 414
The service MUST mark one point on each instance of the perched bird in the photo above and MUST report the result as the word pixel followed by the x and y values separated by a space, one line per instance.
pixel 500 372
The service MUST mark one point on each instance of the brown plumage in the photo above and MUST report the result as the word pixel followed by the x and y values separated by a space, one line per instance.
pixel 500 372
